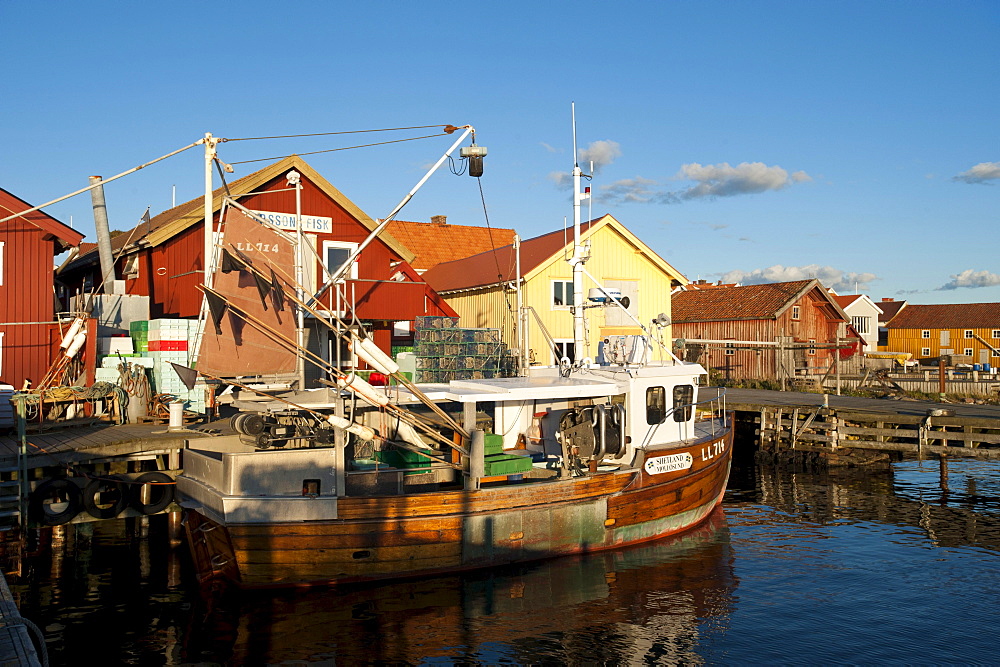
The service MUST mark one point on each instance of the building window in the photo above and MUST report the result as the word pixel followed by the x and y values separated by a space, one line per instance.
pixel 730 349
pixel 562 293
pixel 796 312
pixel 131 269
pixel 565 349
pixel 996 332
pixel 925 352
pixel 926 333
pixel 656 405
pixel 812 346
pixel 336 254
pixel 862 324
pixel 968 352
pixel 968 333
pixel 683 402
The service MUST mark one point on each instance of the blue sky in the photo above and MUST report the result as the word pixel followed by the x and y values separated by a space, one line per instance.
pixel 856 142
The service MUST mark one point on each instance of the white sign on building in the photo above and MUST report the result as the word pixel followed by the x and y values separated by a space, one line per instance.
pixel 310 223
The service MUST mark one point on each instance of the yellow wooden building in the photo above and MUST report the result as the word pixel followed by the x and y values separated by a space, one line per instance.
pixel 970 330
pixel 482 288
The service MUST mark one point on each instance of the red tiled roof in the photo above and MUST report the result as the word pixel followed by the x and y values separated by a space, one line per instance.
pixel 491 267
pixel 750 302
pixel 701 284
pixel 434 243
pixel 889 309
pixel 844 300
pixel 948 316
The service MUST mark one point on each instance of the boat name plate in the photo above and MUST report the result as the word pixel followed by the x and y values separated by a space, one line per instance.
pixel 671 463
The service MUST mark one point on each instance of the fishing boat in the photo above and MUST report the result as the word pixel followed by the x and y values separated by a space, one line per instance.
pixel 355 482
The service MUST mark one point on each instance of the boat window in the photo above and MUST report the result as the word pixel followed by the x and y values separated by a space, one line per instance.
pixel 683 399
pixel 656 405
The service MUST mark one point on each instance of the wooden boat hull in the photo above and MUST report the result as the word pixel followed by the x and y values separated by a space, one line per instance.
pixel 428 533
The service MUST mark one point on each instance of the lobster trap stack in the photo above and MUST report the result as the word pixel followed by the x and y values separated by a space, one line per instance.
pixel 445 352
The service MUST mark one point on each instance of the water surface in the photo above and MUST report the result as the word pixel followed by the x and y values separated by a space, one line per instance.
pixel 846 567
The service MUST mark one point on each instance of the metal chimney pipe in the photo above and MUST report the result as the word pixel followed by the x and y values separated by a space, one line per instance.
pixel 103 235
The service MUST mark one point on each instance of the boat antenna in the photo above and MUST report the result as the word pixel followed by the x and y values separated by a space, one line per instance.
pixel 578 259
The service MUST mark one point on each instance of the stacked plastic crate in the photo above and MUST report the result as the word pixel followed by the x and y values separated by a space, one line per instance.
pixel 446 352
pixel 169 341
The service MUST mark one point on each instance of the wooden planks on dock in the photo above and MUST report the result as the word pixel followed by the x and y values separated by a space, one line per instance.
pixel 16 647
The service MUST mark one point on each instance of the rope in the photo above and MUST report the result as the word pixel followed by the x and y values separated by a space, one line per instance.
pixel 332 150
pixel 327 134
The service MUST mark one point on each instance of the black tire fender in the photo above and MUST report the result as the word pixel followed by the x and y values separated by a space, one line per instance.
pixel 103 485
pixel 48 489
pixel 161 492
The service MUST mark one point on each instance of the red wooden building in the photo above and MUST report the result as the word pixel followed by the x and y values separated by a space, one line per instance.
pixel 163 258
pixel 28 246
pixel 776 331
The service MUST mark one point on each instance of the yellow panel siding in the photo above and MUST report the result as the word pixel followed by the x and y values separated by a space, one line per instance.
pixel 912 341
pixel 613 257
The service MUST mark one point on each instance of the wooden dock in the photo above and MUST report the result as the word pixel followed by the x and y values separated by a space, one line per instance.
pixel 16 647
pixel 835 426
pixel 84 452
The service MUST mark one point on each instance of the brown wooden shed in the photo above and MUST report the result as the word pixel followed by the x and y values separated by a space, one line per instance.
pixel 775 331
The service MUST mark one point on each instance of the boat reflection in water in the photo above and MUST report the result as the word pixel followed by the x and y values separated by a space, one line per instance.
pixel 650 602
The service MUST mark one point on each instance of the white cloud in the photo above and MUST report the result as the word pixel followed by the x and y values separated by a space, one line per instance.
pixel 981 173
pixel 562 180
pixel 970 278
pixel 714 180
pixel 601 153
pixel 630 190
pixel 550 149
pixel 842 281
pixel 724 180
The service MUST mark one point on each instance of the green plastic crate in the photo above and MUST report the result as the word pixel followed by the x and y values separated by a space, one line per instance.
pixel 494 444
pixel 506 464
pixel 412 462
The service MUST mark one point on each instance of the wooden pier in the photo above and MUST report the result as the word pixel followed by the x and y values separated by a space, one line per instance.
pixel 81 453
pixel 16 647
pixel 837 428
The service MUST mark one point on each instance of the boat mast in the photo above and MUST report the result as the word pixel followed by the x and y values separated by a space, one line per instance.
pixel 578 258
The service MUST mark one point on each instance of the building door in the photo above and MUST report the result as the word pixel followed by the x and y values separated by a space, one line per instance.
pixel 945 338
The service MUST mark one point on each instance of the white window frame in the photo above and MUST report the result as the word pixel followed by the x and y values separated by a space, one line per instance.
pixel 796 312
pixel 996 333
pixel 730 349
pixel 131 268
pixel 968 333
pixel 925 352
pixel 562 344
pixel 567 296
pixel 812 347
pixel 969 352
pixel 861 323
pixel 925 333
pixel 341 245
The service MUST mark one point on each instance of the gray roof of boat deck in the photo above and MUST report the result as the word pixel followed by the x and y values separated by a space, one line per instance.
pixel 518 388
